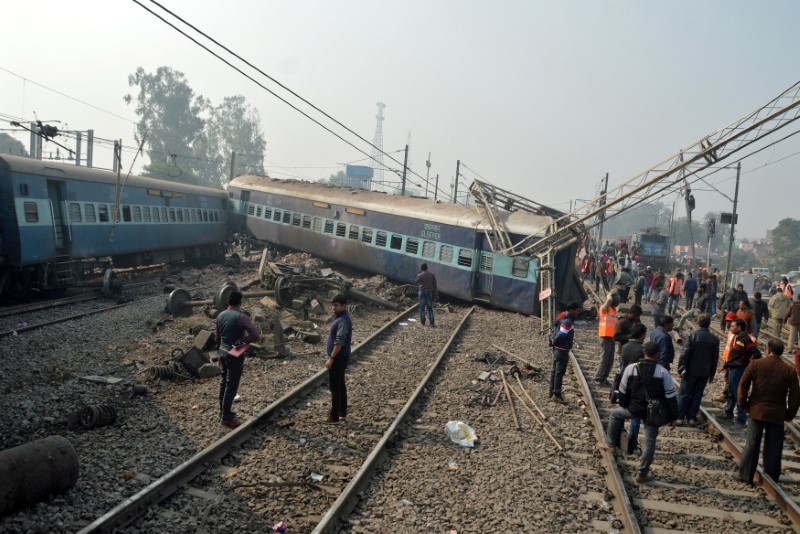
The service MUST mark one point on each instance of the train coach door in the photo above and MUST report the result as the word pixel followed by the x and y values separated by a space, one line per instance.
pixel 485 277
pixel 55 193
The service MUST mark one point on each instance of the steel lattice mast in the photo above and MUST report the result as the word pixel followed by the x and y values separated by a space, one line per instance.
pixel 377 149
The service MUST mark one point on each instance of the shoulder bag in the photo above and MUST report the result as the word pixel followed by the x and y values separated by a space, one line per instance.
pixel 657 410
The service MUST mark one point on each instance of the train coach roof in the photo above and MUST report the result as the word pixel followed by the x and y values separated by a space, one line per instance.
pixel 76 172
pixel 518 222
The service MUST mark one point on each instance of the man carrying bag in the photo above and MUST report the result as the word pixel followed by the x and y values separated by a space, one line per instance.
pixel 646 392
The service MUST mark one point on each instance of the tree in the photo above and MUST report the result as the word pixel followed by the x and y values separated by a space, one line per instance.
pixel 233 126
pixel 10 145
pixel 786 242
pixel 169 113
pixel 188 138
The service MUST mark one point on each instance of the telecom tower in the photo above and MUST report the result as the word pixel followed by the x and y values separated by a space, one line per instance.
pixel 377 150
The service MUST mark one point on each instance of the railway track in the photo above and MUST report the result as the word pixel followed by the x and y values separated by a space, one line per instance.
pixel 342 457
pixel 694 487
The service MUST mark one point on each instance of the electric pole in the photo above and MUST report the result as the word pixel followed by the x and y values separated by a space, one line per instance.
pixel 603 213
pixel 733 225
pixel 405 166
pixel 455 184
pixel 427 174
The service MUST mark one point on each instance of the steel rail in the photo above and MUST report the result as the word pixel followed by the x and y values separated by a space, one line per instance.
pixel 623 502
pixel 63 319
pixel 348 499
pixel 132 507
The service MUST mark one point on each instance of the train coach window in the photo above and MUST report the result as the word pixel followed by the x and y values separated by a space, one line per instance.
pixel 204 214
pixel 412 246
pixel 396 243
pixel 465 257
pixel 74 212
pixel 180 215
pixel 258 211
pixel 251 209
pixel 276 216
pixel 126 213
pixel 267 213
pixel 23 190
pixel 428 249
pixel 102 213
pixel 380 239
pixel 353 232
pixel 306 221
pixel 156 217
pixel 137 214
pixel 171 213
pixel 216 216
pixel 287 217
pixel 520 267
pixel 296 219
pixel 186 214
pixel 366 236
pixel 446 254
pixel 317 226
pixel 89 212
pixel 487 262
pixel 146 214
pixel 341 230
pixel 328 227
pixel 31 212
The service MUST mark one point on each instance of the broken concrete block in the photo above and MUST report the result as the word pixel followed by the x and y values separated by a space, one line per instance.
pixel 484 375
pixel 325 273
pixel 203 340
pixel 316 307
pixel 259 316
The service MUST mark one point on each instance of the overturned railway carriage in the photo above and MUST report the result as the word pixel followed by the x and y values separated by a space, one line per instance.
pixel 56 222
pixel 393 235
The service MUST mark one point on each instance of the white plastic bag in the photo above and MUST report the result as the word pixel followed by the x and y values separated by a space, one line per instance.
pixel 461 433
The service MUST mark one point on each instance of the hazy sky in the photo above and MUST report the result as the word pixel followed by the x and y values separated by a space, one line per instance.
pixel 541 98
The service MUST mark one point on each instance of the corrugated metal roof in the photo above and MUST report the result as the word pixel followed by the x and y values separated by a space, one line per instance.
pixel 519 222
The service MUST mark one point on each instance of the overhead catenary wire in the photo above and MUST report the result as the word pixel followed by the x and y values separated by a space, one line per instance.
pixel 272 79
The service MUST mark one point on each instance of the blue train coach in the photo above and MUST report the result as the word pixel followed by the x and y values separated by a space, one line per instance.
pixel 393 235
pixel 57 222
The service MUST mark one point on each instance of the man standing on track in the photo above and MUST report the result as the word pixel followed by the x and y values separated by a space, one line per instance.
pixel 778 304
pixel 689 290
pixel 605 331
pixel 663 339
pixel 561 339
pixel 633 403
pixel 659 299
pixel 741 350
pixel 761 311
pixel 675 291
pixel 340 338
pixel 697 366
pixel 232 328
pixel 427 290
pixel 773 398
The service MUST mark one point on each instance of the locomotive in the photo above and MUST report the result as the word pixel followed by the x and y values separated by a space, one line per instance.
pixel 57 223
pixel 392 235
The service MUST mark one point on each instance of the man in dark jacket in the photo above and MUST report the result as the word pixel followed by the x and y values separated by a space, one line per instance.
pixel 760 309
pixel 340 338
pixel 689 290
pixel 697 366
pixel 773 398
pixel 792 318
pixel 633 403
pixel 661 336
pixel 701 305
pixel 741 350
pixel 632 352
pixel 562 338
pixel 622 332
pixel 739 295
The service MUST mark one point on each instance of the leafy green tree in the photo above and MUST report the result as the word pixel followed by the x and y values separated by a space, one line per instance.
pixel 189 139
pixel 169 115
pixel 786 242
pixel 233 126
pixel 10 145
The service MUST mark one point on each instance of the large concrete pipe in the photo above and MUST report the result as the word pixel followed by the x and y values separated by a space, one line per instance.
pixel 32 472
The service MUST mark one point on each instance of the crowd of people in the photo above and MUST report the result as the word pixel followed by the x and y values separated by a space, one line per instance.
pixel 760 392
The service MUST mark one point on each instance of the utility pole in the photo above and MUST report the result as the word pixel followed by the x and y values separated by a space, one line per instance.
pixel 427 174
pixel 712 226
pixel 733 225
pixel 603 213
pixel 233 163
pixel 405 166
pixel 436 191
pixel 78 139
pixel 455 184
pixel 89 147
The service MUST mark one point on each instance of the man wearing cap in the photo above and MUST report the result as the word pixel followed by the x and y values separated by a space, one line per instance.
pixel 605 331
pixel 561 339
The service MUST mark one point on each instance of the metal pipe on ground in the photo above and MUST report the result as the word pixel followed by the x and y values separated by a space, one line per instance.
pixel 34 471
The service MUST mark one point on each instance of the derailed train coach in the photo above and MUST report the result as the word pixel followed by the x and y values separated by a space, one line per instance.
pixel 57 222
pixel 392 235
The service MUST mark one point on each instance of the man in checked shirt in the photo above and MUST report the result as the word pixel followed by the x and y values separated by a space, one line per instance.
pixel 427 289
